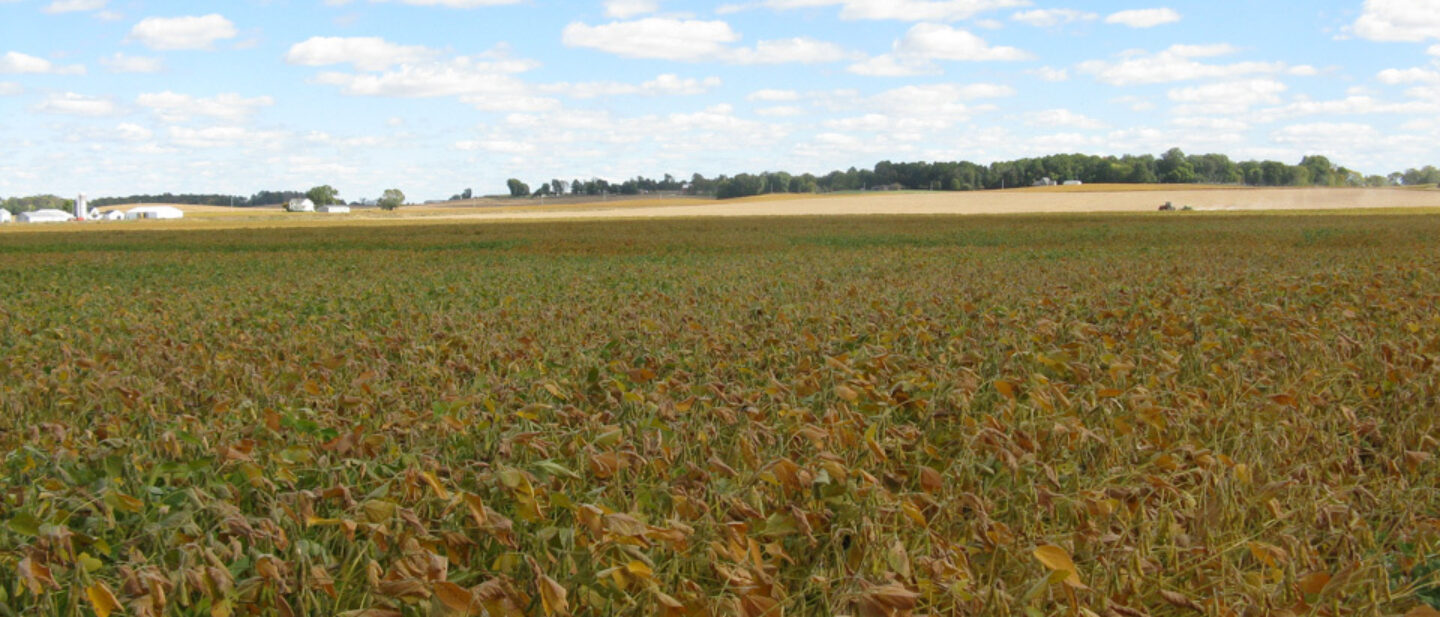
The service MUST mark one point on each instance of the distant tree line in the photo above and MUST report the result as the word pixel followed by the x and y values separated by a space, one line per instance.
pixel 16 205
pixel 1172 167
pixel 263 198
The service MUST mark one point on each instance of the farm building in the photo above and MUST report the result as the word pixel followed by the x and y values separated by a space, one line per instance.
pixel 109 215
pixel 300 205
pixel 45 216
pixel 1073 183
pixel 5 216
pixel 334 209
pixel 154 212
pixel 1046 181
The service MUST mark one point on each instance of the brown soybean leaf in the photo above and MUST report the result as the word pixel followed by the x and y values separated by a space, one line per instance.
pixel 1108 393
pixel 35 576
pixel 930 480
pixel 101 599
pixel 1423 610
pixel 1314 582
pixel 455 597
pixel 1180 600
pixel 846 394
pixel 476 508
pixel 372 612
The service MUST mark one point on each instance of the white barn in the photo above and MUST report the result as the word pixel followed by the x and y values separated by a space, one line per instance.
pixel 5 216
pixel 154 212
pixel 45 216
pixel 334 209
pixel 109 215
pixel 300 205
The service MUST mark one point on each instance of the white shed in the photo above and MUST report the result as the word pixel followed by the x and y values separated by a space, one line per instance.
pixel 45 216
pixel 110 215
pixel 334 209
pixel 154 212
pixel 300 205
pixel 1073 183
pixel 5 216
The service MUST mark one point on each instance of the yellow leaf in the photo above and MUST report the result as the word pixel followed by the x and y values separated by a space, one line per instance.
pixel 846 394
pixel 101 599
pixel 552 597
pixel 1058 559
pixel 639 569
pixel 1007 389
pixel 435 485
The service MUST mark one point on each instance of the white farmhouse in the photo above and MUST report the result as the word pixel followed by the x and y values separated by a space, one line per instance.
pixel 300 204
pixel 45 216
pixel 334 209
pixel 154 212
pixel 5 216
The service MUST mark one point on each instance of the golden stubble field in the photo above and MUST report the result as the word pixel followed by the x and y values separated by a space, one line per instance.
pixel 1053 200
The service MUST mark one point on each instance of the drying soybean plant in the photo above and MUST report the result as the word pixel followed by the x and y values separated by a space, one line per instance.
pixel 1227 415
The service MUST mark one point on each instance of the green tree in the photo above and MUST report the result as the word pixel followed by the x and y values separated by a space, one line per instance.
pixel 518 188
pixel 323 195
pixel 391 199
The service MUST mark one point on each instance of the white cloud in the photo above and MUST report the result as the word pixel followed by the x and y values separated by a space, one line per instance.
pixel 917 108
pixel 224 137
pixel 1144 18
pixel 486 82
pixel 365 53
pixel 773 95
pixel 780 111
pixel 1433 50
pixel 667 84
pixel 916 51
pixel 74 104
pixel 654 37
pixel 1045 18
pixel 800 50
pixel 1062 117
pixel 1211 123
pixel 903 10
pixel 1050 74
pixel 133 132
pixel 10 88
pixel 175 107
pixel 1177 63
pixel 1355 105
pixel 69 6
pixel 625 9
pixel 1231 97
pixel 693 41
pixel 1409 76
pixel 501 146
pixel 1399 20
pixel 190 32
pixel 16 62
pixel 1135 103
pixel 121 63
pixel 450 4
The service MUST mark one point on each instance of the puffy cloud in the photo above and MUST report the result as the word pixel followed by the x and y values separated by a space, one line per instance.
pixel 625 9
pixel 695 40
pixel 667 84
pixel 175 107
pixel 773 95
pixel 224 137
pixel 1399 20
pixel 1051 74
pixel 129 131
pixel 121 63
pixel 16 62
pixel 365 53
pixel 1355 105
pixel 74 104
pixel 1409 76
pixel 190 32
pixel 1231 97
pixel 903 10
pixel 449 4
pixel 70 6
pixel 1177 63
pixel 1045 18
pixel 486 82
pixel 916 51
pixel 1144 18
pixel 1062 117
pixel 10 88
pixel 654 37
pixel 780 111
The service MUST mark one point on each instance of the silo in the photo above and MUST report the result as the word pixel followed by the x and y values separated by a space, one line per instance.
pixel 82 209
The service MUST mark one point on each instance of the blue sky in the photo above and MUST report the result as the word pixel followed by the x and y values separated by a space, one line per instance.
pixel 114 97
